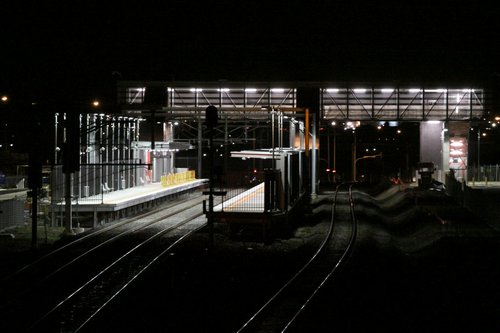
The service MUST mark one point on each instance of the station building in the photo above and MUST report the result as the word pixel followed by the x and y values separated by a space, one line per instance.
pixel 160 131
pixel 445 114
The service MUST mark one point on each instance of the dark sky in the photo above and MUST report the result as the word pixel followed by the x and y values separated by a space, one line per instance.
pixel 76 47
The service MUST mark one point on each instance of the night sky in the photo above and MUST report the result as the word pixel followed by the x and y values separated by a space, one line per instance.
pixel 71 48
pixel 67 54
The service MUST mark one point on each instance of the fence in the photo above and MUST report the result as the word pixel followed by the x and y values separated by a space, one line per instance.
pixel 94 180
pixel 256 192
pixel 237 184
pixel 485 173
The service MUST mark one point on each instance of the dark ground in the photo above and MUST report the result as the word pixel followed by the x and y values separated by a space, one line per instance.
pixel 418 274
pixel 410 272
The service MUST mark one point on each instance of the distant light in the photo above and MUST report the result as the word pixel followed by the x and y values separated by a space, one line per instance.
pixel 95 103
pixel 399 131
pixel 352 125
pixel 254 170
pixel 332 90
pixel 204 155
pixel 12 145
pixel 497 118
pixel 484 134
pixel 379 127
pixel 278 90
pixel 176 123
pixel 387 90
pixel 250 90
pixel 359 90
pixel 334 123
pixel 5 98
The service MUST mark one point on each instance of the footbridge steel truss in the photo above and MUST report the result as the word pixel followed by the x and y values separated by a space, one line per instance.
pixel 255 101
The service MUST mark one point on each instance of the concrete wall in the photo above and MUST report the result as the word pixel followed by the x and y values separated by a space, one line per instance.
pixel 431 146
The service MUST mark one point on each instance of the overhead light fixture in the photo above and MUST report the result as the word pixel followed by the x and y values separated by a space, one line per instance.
pixel 359 90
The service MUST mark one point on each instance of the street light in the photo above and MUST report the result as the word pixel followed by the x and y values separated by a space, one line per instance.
pixel 479 152
pixel 362 158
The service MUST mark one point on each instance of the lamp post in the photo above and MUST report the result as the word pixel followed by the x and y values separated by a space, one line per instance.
pixel 362 158
pixel 478 154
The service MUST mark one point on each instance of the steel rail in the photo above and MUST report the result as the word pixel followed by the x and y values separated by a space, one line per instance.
pixel 128 254
pixel 86 253
pixel 83 238
pixel 167 250
pixel 343 258
pixel 313 259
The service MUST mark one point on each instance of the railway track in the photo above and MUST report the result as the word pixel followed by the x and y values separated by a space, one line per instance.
pixel 283 308
pixel 63 290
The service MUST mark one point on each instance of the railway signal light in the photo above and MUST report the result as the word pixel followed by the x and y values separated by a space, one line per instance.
pixel 211 116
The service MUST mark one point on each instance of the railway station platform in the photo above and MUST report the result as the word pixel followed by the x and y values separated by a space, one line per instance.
pixel 256 208
pixel 106 207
